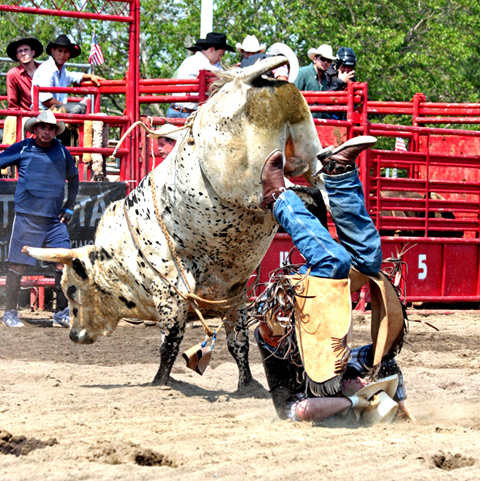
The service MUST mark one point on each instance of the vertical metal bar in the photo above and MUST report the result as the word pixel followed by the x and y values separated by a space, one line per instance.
pixel 81 136
pixel 96 103
pixel 19 128
pixel 350 92
pixel 202 87
pixel 427 185
pixel 35 98
pixel 364 112
pixel 41 298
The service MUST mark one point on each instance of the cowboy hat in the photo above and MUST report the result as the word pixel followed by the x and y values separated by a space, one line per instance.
pixel 251 45
pixel 274 50
pixel 324 51
pixel 213 39
pixel 286 51
pixel 45 117
pixel 166 130
pixel 386 407
pixel 64 41
pixel 33 43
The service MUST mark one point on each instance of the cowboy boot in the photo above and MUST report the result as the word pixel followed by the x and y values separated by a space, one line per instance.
pixel 273 181
pixel 343 158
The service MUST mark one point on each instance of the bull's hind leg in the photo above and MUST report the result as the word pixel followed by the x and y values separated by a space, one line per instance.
pixel 238 345
pixel 173 318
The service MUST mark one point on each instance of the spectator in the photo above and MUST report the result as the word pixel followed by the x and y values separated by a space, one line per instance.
pixel 286 72
pixel 19 79
pixel 208 53
pixel 167 136
pixel 313 77
pixel 40 219
pixel 250 46
pixel 343 72
pixel 53 73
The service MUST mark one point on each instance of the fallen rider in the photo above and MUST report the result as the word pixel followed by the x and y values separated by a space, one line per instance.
pixel 305 318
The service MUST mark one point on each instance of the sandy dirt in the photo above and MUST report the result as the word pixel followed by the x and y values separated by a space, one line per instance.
pixel 71 412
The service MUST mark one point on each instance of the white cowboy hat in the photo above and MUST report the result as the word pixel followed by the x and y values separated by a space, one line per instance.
pixel 166 130
pixel 324 51
pixel 286 51
pixel 45 117
pixel 387 408
pixel 251 45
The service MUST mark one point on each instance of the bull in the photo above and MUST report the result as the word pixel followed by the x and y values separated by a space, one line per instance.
pixel 206 194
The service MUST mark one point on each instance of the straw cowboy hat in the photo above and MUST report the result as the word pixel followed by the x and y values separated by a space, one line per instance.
pixel 64 41
pixel 387 408
pixel 45 117
pixel 275 49
pixel 251 45
pixel 166 130
pixel 213 39
pixel 33 43
pixel 286 51
pixel 324 51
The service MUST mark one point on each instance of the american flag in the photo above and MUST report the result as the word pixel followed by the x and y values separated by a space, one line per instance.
pixel 96 55
pixel 400 145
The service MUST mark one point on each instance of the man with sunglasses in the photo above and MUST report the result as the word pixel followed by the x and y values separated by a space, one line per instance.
pixel 313 77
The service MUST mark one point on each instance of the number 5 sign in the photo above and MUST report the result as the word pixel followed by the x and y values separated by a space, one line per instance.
pixel 422 266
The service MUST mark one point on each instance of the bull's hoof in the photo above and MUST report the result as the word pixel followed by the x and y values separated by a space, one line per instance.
pixel 253 389
pixel 161 380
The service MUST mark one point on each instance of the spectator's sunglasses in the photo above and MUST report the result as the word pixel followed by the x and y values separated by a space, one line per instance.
pixel 323 59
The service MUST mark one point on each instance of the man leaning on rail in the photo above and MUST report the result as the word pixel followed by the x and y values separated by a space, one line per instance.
pixel 53 73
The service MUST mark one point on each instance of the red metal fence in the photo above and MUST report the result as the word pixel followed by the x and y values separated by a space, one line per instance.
pixel 433 204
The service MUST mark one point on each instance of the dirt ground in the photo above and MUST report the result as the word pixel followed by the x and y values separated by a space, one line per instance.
pixel 70 412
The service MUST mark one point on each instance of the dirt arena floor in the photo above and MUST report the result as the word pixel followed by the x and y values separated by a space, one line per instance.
pixel 71 412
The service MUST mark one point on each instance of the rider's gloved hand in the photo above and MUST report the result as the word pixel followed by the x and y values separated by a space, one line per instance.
pixel 66 214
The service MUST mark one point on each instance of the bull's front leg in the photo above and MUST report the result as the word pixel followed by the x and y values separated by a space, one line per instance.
pixel 173 318
pixel 238 345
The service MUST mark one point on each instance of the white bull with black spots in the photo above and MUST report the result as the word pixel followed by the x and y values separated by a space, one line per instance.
pixel 207 192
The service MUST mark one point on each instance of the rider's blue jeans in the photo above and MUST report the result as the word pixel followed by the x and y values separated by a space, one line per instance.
pixel 359 240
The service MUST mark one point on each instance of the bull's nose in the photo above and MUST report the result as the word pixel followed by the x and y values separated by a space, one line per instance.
pixel 80 337
pixel 73 335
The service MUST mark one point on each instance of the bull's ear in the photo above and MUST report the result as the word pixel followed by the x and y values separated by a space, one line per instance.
pixel 59 256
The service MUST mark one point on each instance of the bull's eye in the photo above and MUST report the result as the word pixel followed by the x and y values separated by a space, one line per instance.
pixel 79 267
pixel 72 292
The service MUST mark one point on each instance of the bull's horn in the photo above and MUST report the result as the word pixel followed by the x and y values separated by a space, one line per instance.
pixel 60 256
pixel 249 74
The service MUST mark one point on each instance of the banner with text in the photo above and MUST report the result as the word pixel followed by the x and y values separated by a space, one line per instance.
pixel 92 200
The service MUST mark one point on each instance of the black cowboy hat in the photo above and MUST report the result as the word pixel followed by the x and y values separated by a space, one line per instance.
pixel 213 39
pixel 33 43
pixel 64 41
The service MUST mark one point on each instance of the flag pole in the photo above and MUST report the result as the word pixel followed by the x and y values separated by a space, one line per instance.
pixel 92 66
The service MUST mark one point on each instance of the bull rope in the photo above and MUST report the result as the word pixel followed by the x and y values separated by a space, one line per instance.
pixel 190 297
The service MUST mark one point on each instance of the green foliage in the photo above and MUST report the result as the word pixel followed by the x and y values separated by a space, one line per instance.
pixel 403 47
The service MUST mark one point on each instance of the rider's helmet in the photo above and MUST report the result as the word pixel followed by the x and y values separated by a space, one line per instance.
pixel 346 56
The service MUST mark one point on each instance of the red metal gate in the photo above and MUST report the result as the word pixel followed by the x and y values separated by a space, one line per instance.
pixel 433 204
